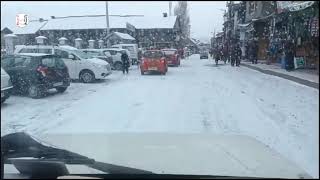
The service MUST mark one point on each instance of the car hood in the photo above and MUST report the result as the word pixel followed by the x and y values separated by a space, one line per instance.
pixel 185 154
pixel 98 61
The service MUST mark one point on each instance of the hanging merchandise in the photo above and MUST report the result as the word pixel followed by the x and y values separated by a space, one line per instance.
pixel 314 29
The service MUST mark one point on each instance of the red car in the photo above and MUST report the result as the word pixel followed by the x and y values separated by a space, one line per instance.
pixel 172 56
pixel 153 60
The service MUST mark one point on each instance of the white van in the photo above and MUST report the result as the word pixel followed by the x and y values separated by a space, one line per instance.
pixel 79 64
pixel 132 48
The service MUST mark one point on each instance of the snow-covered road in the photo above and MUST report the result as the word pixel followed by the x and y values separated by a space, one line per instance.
pixel 195 97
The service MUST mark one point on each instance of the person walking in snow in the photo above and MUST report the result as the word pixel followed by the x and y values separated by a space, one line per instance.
pixel 125 62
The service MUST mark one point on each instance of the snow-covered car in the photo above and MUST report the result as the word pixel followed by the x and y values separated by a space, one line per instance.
pixel 35 73
pixel 204 54
pixel 6 85
pixel 116 57
pixel 205 156
pixel 80 65
pixel 99 53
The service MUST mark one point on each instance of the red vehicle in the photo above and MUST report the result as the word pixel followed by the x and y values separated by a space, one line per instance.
pixel 154 60
pixel 172 56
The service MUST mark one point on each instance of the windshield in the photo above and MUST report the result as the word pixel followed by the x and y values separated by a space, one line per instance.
pixel 169 52
pixel 170 87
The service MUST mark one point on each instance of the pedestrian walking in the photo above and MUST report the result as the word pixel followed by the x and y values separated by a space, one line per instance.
pixel 125 62
pixel 289 56
pixel 238 53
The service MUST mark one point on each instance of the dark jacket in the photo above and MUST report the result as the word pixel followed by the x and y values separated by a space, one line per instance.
pixel 125 59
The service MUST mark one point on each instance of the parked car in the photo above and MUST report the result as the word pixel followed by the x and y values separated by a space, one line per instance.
pixel 153 60
pixel 100 54
pixel 204 54
pixel 6 85
pixel 116 57
pixel 172 56
pixel 132 48
pixel 80 65
pixel 35 73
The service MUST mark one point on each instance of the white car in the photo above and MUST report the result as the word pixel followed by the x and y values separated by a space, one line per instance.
pixel 132 48
pixel 6 85
pixel 79 64
pixel 116 56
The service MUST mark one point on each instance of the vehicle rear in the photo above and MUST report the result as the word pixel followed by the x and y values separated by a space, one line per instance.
pixel 6 85
pixel 172 56
pixel 35 74
pixel 153 60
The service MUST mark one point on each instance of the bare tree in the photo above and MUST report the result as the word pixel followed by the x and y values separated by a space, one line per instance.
pixel 181 10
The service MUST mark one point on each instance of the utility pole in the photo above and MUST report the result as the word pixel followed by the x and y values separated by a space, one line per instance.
pixel 107 17
pixel 170 7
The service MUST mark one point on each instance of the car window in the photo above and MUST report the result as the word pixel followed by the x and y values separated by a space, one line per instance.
pixel 130 48
pixel 7 61
pixel 59 63
pixel 112 52
pixel 61 54
pixel 153 54
pixel 45 51
pixel 48 62
pixel 169 52
pixel 28 50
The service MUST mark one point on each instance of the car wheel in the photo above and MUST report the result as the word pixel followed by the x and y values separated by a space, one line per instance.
pixel 35 91
pixel 142 73
pixel 3 100
pixel 118 66
pixel 87 76
pixel 61 89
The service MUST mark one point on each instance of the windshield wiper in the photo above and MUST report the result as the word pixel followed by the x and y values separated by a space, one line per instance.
pixel 21 145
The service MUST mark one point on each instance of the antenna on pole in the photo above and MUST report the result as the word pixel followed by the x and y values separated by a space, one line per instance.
pixel 170 7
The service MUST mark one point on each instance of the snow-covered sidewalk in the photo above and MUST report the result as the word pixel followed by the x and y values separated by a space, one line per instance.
pixel 305 74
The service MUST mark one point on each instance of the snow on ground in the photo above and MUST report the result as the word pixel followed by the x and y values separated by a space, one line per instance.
pixel 195 97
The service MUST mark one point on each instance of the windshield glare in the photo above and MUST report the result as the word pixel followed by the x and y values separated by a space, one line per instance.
pixel 183 88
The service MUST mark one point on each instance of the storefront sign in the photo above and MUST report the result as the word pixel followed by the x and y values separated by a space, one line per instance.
pixel 299 62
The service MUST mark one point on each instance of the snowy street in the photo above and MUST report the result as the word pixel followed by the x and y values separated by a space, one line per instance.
pixel 195 97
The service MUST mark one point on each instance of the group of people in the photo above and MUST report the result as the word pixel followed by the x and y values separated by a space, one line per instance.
pixel 226 53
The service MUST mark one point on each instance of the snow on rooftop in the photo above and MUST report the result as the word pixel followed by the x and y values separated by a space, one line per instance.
pixel 10 35
pixel 33 54
pixel 31 28
pixel 63 38
pixel 124 36
pixel 99 22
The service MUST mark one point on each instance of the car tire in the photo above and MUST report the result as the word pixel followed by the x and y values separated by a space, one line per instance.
pixel 118 66
pixel 142 73
pixel 61 89
pixel 3 100
pixel 87 76
pixel 35 91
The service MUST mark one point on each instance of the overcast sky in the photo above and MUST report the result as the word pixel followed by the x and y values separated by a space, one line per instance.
pixel 204 16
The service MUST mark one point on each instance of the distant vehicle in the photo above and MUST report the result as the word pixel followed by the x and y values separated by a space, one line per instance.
pixel 132 48
pixel 80 65
pixel 6 85
pixel 153 60
pixel 35 73
pixel 204 54
pixel 172 56
pixel 116 57
pixel 100 54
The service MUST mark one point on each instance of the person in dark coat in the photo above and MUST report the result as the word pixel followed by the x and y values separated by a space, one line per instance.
pixel 289 56
pixel 237 52
pixel 125 62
